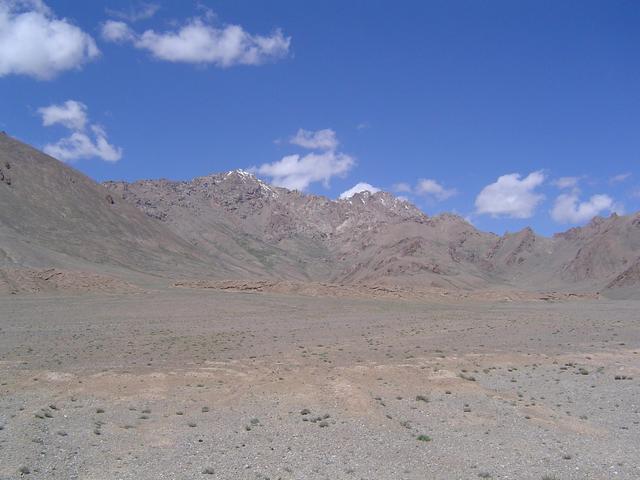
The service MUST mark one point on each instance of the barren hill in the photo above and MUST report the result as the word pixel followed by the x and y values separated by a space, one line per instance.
pixel 378 239
pixel 53 216
pixel 369 238
pixel 235 226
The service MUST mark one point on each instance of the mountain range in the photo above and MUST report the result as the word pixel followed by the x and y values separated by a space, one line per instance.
pixel 234 226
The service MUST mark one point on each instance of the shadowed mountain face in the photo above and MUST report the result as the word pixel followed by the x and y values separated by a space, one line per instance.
pixel 234 226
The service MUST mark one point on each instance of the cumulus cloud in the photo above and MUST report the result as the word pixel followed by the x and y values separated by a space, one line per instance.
pixel 297 172
pixel 34 42
pixel 566 182
pixel 319 140
pixel 135 13
pixel 357 188
pixel 431 188
pixel 569 209
pixel 70 114
pixel 402 187
pixel 511 196
pixel 117 32
pixel 81 145
pixel 199 41
pixel 426 187
pixel 83 142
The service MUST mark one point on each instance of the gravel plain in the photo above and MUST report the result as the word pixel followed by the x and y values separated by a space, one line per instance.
pixel 181 383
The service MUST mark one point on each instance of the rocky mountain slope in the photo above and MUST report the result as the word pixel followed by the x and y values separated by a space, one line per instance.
pixel 368 238
pixel 235 226
pixel 377 238
pixel 53 216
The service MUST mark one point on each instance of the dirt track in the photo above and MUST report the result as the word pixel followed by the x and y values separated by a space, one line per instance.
pixel 178 383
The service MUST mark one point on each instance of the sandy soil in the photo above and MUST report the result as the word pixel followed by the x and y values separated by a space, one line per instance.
pixel 183 383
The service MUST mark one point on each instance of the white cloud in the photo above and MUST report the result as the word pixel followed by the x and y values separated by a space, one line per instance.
pixel 319 140
pixel 357 188
pixel 297 172
pixel 82 142
pixel 80 145
pixel 620 177
pixel 431 188
pixel 34 42
pixel 426 187
pixel 402 187
pixel 200 42
pixel 71 114
pixel 142 11
pixel 511 196
pixel 569 209
pixel 566 182
pixel 117 32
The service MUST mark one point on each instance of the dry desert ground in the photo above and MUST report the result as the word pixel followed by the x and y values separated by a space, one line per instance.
pixel 184 383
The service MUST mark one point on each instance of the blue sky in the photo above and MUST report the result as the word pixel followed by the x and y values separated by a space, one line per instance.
pixel 507 113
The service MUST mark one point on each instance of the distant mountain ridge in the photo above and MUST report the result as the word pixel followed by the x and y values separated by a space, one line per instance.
pixel 235 226
pixel 378 238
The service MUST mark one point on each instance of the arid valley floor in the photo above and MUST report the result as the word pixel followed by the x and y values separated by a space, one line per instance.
pixel 319 240
pixel 182 383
